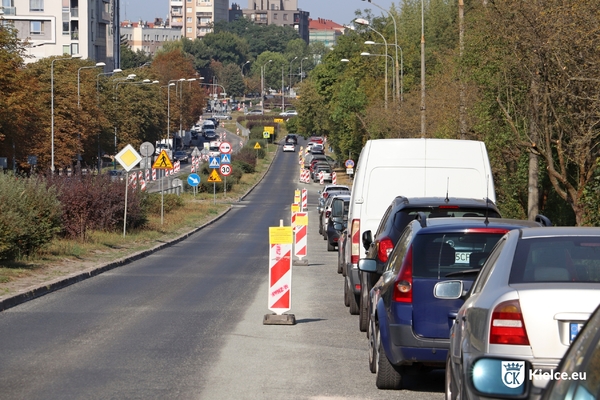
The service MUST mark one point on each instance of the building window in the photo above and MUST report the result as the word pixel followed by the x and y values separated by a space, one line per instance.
pixel 36 5
pixel 188 10
pixel 189 20
pixel 36 28
pixel 66 49
pixel 275 16
pixel 285 17
pixel 189 29
pixel 74 48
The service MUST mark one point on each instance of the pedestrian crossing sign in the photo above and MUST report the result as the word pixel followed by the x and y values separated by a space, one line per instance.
pixel 163 161
pixel 214 162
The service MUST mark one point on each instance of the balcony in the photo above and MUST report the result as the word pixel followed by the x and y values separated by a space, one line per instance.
pixel 75 35
pixel 74 12
pixel 10 10
pixel 177 3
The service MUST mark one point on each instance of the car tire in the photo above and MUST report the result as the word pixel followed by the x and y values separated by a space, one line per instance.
pixel 373 340
pixel 388 376
pixel 352 300
pixel 346 300
pixel 450 387
pixel 363 315
pixel 330 247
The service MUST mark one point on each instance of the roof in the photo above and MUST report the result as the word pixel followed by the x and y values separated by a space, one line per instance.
pixel 444 224
pixel 322 24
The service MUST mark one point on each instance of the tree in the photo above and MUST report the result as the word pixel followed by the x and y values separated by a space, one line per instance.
pixel 133 59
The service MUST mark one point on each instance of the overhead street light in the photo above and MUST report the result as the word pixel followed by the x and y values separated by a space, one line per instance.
pixel 262 85
pixel 301 74
pixel 370 42
pixel 74 56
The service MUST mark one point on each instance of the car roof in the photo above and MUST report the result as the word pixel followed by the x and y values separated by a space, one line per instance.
pixel 556 231
pixel 453 224
pixel 436 201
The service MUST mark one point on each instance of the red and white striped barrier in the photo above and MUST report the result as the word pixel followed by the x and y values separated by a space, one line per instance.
pixel 142 185
pixel 153 174
pixel 280 269
pixel 300 242
pixel 305 176
pixel 333 178
pixel 147 175
pixel 321 178
pixel 177 167
pixel 304 204
pixel 133 180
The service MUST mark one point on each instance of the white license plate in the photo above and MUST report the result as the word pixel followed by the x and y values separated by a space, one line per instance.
pixel 574 329
pixel 461 257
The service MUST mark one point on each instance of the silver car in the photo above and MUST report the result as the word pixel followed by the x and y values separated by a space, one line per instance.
pixel 529 301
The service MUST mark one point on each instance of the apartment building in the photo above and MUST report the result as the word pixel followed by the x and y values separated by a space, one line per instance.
pixel 325 31
pixel 58 27
pixel 195 17
pixel 279 12
pixel 148 36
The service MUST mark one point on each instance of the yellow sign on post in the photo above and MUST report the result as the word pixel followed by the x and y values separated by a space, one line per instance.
pixel 297 196
pixel 281 235
pixel 163 161
pixel 266 134
pixel 270 129
pixel 257 146
pixel 214 176
pixel 295 208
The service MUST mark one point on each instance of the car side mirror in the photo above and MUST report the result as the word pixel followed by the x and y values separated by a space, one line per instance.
pixel 500 378
pixel 367 239
pixel 448 290
pixel 367 265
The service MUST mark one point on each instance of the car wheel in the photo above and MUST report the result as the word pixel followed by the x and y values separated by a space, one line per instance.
pixel 373 346
pixel 340 267
pixel 346 300
pixel 363 315
pixel 330 247
pixel 450 388
pixel 388 376
pixel 353 301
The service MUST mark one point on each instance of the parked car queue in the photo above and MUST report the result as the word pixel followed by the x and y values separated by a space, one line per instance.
pixel 422 292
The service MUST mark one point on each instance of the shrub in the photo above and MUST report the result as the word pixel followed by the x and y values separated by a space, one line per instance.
pixel 29 215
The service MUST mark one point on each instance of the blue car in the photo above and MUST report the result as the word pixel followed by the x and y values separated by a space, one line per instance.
pixel 408 327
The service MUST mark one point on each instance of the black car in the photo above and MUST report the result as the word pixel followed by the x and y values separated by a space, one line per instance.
pixel 337 221
pixel 210 134
pixel 291 138
pixel 398 215
pixel 181 156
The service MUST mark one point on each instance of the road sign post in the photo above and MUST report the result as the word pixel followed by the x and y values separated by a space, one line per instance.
pixel 128 158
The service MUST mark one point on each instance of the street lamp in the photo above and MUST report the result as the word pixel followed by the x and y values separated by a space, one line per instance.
pixel 181 103
pixel 144 82
pixel 301 75
pixel 74 56
pixel 370 42
pixel 290 90
pixel 243 65
pixel 98 65
pixel 116 70
pixel 386 71
pixel 262 85
pixel 395 41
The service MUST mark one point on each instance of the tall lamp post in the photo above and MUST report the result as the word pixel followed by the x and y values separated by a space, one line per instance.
pixel 262 85
pixel 364 22
pixel 386 71
pixel 243 65
pixel 181 103
pixel 395 41
pixel 98 65
pixel 74 56
pixel 301 75
pixel 295 58
pixel 370 42
pixel 116 70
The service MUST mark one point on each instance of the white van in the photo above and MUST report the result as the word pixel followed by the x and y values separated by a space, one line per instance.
pixel 388 168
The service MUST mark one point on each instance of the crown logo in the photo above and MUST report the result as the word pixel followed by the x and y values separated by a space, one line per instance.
pixel 512 366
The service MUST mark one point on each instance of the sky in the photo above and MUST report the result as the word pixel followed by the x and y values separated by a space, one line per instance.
pixel 339 11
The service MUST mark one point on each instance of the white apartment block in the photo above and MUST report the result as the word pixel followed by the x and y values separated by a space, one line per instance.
pixel 147 36
pixel 195 17
pixel 59 27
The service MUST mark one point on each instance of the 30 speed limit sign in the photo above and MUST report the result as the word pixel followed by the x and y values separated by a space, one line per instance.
pixel 225 169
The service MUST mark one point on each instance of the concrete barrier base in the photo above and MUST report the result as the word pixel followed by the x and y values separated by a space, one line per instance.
pixel 284 319
pixel 300 262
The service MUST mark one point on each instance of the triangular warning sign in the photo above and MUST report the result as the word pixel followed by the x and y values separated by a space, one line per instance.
pixel 257 146
pixel 214 176
pixel 163 161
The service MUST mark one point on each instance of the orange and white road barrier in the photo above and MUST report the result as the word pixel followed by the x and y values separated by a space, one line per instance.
pixel 280 269
pixel 153 174
pixel 304 204
pixel 321 178
pixel 333 178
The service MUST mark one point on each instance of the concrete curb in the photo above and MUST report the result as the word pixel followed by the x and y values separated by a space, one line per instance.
pixel 68 280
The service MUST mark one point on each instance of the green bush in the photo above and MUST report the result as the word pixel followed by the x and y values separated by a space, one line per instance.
pixel 260 153
pixel 29 215
pixel 152 202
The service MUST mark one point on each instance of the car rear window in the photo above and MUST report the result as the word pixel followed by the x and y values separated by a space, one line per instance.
pixel 556 259
pixel 436 255
pixel 403 218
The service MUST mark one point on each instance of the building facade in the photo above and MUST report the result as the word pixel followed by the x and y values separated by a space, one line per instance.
pixel 148 36
pixel 59 27
pixel 195 17
pixel 279 12
pixel 324 31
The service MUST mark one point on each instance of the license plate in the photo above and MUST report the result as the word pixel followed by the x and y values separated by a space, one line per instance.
pixel 461 257
pixel 574 329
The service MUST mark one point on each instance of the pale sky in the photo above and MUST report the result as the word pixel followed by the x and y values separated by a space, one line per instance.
pixel 340 11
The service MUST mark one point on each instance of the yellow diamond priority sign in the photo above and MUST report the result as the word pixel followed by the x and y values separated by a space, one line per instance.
pixel 128 158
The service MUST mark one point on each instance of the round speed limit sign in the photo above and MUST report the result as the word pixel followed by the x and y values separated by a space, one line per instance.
pixel 225 169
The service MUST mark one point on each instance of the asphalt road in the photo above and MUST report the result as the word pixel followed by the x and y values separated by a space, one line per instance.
pixel 187 322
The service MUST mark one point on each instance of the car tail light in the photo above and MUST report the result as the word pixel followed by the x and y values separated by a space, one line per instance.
pixel 327 214
pixel 403 283
pixel 384 248
pixel 507 325
pixel 325 195
pixel 355 237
